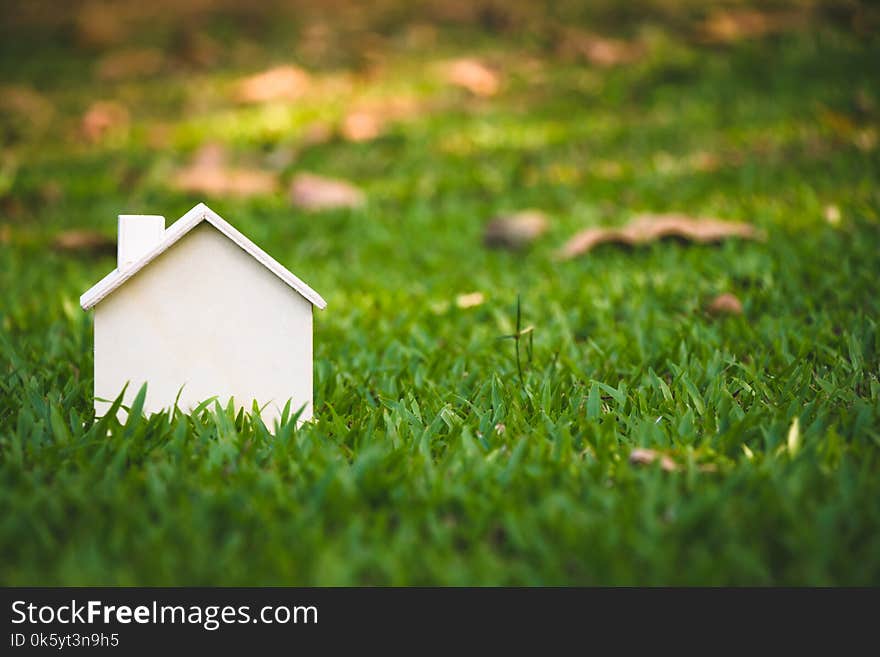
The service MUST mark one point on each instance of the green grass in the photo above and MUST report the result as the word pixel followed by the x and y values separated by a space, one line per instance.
pixel 431 461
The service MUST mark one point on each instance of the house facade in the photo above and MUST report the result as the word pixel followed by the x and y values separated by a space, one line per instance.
pixel 196 312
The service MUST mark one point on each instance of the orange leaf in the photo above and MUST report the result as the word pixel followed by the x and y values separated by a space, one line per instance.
pixel 312 192
pixel 209 174
pixel 726 304
pixel 474 76
pixel 276 84
pixel 361 126
pixel 102 118
pixel 729 26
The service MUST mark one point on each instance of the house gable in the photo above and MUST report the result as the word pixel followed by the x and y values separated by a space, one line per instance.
pixel 200 213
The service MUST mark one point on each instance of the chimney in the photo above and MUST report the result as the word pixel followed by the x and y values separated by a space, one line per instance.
pixel 138 233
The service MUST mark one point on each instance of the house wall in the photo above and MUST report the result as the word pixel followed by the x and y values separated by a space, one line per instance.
pixel 207 316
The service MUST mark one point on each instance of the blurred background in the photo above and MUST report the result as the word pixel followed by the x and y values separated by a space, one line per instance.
pixel 175 99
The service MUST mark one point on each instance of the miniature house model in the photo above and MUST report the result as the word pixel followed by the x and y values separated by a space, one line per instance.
pixel 198 311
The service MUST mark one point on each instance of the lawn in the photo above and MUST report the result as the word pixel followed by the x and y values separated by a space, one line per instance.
pixel 445 452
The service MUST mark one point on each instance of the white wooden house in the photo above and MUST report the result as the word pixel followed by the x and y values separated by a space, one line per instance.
pixel 200 311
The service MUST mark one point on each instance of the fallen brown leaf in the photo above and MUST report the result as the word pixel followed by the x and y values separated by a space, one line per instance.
pixel 368 119
pixel 84 242
pixel 473 75
pixel 277 84
pixel 645 456
pixel 131 63
pixel 470 300
pixel 731 25
pixel 361 126
pixel 226 181
pixel 650 227
pixel 832 214
pixel 5 233
pixel 598 50
pixel 102 118
pixel 725 304
pixel 210 155
pixel 313 192
pixel 209 174
pixel 515 231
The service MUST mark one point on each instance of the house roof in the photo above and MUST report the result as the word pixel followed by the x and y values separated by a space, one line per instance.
pixel 177 230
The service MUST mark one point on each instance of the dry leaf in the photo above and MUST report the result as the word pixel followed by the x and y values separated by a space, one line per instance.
pixel 276 84
pixel 645 456
pixel 361 126
pixel 209 174
pixel 84 242
pixel 312 192
pixel 132 63
pixel 470 300
pixel 210 155
pixel 369 119
pixel 226 181
pixel 725 304
pixel 598 50
pixel 104 117
pixel 729 26
pixel 650 227
pixel 832 214
pixel 515 231
pixel 474 76
pixel 5 233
